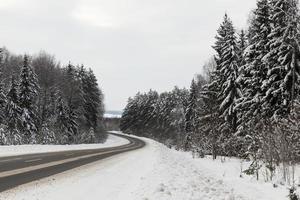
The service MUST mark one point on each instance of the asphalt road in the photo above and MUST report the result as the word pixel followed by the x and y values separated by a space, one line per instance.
pixel 18 170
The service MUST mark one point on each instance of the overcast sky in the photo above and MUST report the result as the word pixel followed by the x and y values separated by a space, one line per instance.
pixel 132 45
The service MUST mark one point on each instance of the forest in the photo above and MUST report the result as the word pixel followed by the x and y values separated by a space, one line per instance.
pixel 44 102
pixel 245 104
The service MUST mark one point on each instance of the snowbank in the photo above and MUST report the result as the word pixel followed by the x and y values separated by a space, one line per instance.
pixel 28 149
pixel 151 173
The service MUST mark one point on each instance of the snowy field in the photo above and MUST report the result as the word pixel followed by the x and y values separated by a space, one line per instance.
pixel 28 149
pixel 152 173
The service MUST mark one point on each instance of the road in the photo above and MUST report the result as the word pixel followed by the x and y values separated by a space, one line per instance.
pixel 18 170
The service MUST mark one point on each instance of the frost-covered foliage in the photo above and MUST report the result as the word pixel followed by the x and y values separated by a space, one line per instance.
pixel 42 102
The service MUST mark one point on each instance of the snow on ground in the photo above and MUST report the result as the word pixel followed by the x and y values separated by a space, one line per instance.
pixel 111 141
pixel 152 173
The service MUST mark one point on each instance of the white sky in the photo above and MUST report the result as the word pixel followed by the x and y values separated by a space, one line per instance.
pixel 132 45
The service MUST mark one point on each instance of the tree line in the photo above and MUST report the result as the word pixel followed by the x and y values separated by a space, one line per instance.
pixel 43 102
pixel 247 105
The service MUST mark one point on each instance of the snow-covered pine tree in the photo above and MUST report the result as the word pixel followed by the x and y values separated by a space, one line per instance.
pixel 211 120
pixel 148 110
pixel 228 66
pixel 242 43
pixel 191 116
pixel 81 77
pixel 71 87
pixel 161 115
pixel 72 98
pixel 282 84
pixel 226 77
pixel 61 121
pixel 254 71
pixel 127 116
pixel 252 75
pixel 177 114
pixel 28 91
pixel 93 97
pixel 72 125
pixel 2 95
pixel 13 114
pixel 132 121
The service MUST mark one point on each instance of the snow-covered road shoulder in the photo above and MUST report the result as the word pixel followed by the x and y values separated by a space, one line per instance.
pixel 112 141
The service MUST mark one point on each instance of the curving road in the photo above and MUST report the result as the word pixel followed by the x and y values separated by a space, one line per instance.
pixel 18 170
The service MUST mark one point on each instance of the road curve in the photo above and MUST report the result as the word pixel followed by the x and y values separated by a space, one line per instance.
pixel 22 169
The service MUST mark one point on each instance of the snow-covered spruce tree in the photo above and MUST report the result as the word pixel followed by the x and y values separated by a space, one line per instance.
pixel 227 69
pixel 2 92
pixel 127 116
pixel 252 75
pixel 209 119
pixel 282 83
pixel 61 122
pixel 48 72
pixel 212 123
pixel 191 117
pixel 133 119
pixel 242 43
pixel 83 122
pixel 147 112
pixel 272 82
pixel 13 120
pixel 71 87
pixel 228 62
pixel 72 125
pixel 93 97
pixel 177 114
pixel 199 134
pixel 72 97
pixel 161 115
pixel 27 95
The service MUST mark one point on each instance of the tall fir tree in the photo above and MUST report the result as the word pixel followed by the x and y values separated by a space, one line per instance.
pixel 282 83
pixel 252 75
pixel 13 114
pixel 242 43
pixel 253 72
pixel 72 125
pixel 191 116
pixel 2 92
pixel 213 118
pixel 61 121
pixel 28 92
pixel 93 108
pixel 228 67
